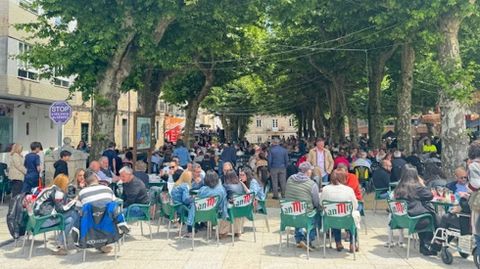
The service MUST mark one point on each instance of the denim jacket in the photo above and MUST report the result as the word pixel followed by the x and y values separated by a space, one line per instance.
pixel 181 194
pixel 257 190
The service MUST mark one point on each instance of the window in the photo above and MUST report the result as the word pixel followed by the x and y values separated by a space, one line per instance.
pixel 28 5
pixel 59 80
pixel 6 127
pixel 259 123
pixel 161 106
pixel 259 139
pixel 84 132
pixel 274 123
pixel 290 122
pixel 25 70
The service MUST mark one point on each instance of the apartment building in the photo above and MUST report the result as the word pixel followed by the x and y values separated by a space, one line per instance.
pixel 264 128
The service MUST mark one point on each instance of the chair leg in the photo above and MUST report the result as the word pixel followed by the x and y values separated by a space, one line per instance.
pixel 180 230
pixel 115 249
pixel 141 227
pixel 266 223
pixel 287 230
pixel 308 245
pixel 45 240
pixel 150 229
pixel 64 240
pixel 330 237
pixel 324 243
pixel 354 247
pixel 280 243
pixel 25 238
pixel 193 236
pixel 218 234
pixel 318 236
pixel 84 254
pixel 158 224
pixel 31 247
pixel 254 230
pixel 408 247
pixel 233 234
pixel 374 206
pixel 168 231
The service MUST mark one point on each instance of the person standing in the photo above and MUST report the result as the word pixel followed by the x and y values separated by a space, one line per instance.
pixel 228 155
pixel 32 164
pixel 473 163
pixel 278 162
pixel 182 153
pixel 61 166
pixel 321 159
pixel 112 155
pixel 16 169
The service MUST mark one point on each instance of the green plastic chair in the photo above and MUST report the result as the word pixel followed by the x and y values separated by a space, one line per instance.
pixel 261 208
pixel 377 197
pixel 145 208
pixel 242 207
pixel 206 210
pixel 338 215
pixel 34 227
pixel 156 184
pixel 169 211
pixel 401 220
pixel 293 213
pixel 4 186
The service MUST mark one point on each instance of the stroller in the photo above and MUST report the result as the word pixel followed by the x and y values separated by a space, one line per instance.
pixel 460 240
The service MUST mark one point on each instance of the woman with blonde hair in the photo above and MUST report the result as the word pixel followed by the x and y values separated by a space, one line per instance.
pixel 16 169
pixel 54 200
pixel 181 190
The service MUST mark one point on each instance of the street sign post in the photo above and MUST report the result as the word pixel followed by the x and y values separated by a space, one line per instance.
pixel 60 112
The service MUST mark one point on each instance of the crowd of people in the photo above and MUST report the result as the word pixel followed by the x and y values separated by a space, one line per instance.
pixel 294 169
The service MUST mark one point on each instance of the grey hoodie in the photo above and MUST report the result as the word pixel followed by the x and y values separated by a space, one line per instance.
pixel 301 177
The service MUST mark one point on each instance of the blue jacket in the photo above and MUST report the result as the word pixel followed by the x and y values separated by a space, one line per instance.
pixel 257 190
pixel 278 157
pixel 181 194
pixel 182 154
pixel 229 154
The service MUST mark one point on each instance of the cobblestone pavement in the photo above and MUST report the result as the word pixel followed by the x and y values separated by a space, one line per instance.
pixel 141 252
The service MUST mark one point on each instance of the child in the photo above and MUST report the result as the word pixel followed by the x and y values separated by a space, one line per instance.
pixel 61 166
pixel 32 164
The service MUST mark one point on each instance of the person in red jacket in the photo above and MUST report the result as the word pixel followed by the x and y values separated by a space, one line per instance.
pixel 352 182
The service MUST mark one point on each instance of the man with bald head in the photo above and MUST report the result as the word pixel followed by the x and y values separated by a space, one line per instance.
pixel 381 177
pixel 459 186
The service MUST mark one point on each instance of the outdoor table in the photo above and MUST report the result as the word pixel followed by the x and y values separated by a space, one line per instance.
pixel 445 204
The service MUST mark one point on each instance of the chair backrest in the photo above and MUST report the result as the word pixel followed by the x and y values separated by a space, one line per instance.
pixel 398 209
pixel 206 209
pixel 241 206
pixel 293 213
pixel 337 215
pixel 362 172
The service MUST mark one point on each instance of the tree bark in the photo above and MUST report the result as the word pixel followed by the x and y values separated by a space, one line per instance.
pixel 404 102
pixel 194 104
pixel 353 128
pixel 300 124
pixel 453 134
pixel 376 73
pixel 318 119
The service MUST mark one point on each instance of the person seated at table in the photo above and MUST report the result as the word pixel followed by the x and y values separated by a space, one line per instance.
pixel 104 178
pixel 172 172
pixel 434 176
pixel 140 172
pixel 412 189
pixel 381 177
pixel 227 166
pixel 233 187
pixel 134 191
pixel 301 187
pixel 211 188
pixel 338 191
pixel 80 182
pixel 352 182
pixel 198 176
pixel 181 190
pixel 53 200
pixel 247 178
pixel 461 181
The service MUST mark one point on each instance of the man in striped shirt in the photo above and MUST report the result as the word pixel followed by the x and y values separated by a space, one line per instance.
pixel 95 192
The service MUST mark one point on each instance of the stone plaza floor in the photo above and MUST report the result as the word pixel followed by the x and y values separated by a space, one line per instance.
pixel 141 252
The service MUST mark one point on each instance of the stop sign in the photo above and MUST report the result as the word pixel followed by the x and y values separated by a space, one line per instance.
pixel 60 112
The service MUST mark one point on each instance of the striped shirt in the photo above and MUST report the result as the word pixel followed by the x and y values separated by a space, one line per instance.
pixel 96 193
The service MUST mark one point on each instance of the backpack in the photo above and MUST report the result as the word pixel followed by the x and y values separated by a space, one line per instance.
pixel 16 221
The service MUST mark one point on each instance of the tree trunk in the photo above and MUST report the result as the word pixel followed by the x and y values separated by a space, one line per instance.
pixel 107 95
pixel 193 106
pixel 404 102
pixel 454 135
pixel 243 127
pixel 376 73
pixel 305 127
pixel 226 128
pixel 318 119
pixel 300 124
pixel 353 129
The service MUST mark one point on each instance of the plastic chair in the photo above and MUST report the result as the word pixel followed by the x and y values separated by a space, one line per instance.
pixel 401 220
pixel 145 208
pixel 378 197
pixel 338 215
pixel 34 227
pixel 156 184
pixel 294 214
pixel 261 208
pixel 206 210
pixel 242 207
pixel 170 211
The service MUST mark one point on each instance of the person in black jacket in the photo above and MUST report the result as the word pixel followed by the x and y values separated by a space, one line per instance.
pixel 397 164
pixel 61 166
pixel 381 177
pixel 134 191
pixel 412 189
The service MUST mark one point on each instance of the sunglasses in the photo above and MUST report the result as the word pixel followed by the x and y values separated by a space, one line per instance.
pixel 172 167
